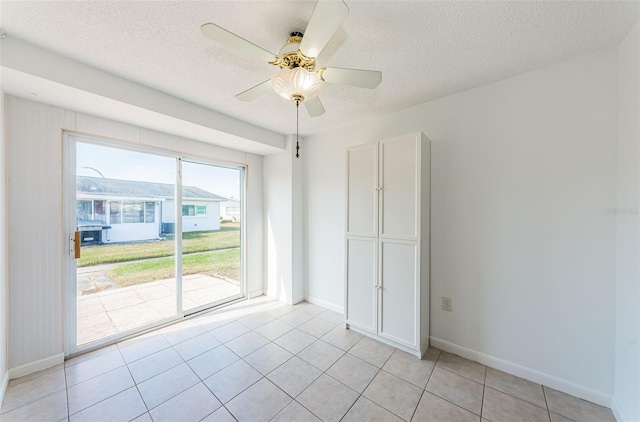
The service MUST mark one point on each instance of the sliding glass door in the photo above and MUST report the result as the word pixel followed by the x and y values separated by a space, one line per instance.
pixel 211 235
pixel 153 237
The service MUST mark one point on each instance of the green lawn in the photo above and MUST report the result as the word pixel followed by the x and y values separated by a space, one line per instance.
pixel 227 237
pixel 224 263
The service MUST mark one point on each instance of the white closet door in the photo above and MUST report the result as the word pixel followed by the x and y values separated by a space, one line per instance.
pixel 361 281
pixel 398 179
pixel 398 310
pixel 362 196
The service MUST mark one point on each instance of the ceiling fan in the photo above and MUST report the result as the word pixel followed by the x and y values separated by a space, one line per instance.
pixel 298 79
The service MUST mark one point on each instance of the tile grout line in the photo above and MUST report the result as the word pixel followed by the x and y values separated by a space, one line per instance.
pixel 544 394
pixel 66 390
pixel 484 388
pixel 442 398
pixel 325 373
pixel 134 384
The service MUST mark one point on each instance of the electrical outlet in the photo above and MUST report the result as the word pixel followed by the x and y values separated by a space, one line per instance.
pixel 447 304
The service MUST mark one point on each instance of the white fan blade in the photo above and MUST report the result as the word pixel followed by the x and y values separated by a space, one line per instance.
pixel 355 77
pixel 255 92
pixel 314 107
pixel 325 20
pixel 230 39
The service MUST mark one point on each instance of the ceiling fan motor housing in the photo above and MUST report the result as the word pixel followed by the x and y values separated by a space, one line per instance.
pixel 291 57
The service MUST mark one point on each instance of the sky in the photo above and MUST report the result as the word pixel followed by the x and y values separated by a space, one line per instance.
pixel 114 163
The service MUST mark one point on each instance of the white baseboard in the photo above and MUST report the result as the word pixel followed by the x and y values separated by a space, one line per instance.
pixel 282 297
pixel 325 304
pixel 39 365
pixel 3 386
pixel 255 293
pixel 616 408
pixel 523 372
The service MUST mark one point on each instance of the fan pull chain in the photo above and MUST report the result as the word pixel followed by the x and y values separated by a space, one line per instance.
pixel 297 128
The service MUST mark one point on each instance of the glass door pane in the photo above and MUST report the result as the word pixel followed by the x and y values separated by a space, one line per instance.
pixel 125 208
pixel 211 235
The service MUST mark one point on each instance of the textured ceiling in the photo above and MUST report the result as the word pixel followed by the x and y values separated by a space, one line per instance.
pixel 424 49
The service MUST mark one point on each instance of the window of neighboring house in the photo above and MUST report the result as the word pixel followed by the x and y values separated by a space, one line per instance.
pixel 99 211
pixel 91 210
pixel 137 212
pixel 149 212
pixel 114 212
pixel 194 210
pixel 132 212
pixel 83 211
pixel 233 210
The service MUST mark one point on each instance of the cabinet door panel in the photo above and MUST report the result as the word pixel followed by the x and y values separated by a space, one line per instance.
pixel 398 178
pixel 362 200
pixel 398 312
pixel 361 279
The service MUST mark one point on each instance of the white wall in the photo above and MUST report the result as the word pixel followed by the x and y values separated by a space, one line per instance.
pixel 130 232
pixel 4 304
pixel 34 165
pixel 522 171
pixel 627 355
pixel 283 223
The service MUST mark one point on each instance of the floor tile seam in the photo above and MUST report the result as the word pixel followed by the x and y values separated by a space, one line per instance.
pixel 222 403
pixel 138 342
pixel 66 390
pixel 145 356
pixel 350 407
pixel 457 405
pixel 567 418
pixel 417 405
pixel 544 394
pixel 316 379
pixel 70 365
pixel 104 399
pixel 320 369
pixel 519 398
pixel 317 416
pixel 279 366
pixel 199 354
pixel 431 374
pixel 359 394
pixel 402 379
pixel 92 377
pixel 209 414
pixel 5 411
pixel 149 409
pixel 187 339
pixel 389 410
pixel 455 373
pixel 144 403
pixel 135 384
pixel 219 326
pixel 484 389
pixel 395 376
pixel 198 376
pixel 159 373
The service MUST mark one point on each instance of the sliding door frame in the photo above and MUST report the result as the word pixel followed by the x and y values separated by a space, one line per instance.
pixel 70 140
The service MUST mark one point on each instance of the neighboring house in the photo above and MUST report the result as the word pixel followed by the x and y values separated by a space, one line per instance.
pixel 136 211
pixel 230 209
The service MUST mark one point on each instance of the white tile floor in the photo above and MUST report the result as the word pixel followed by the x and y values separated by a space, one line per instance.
pixel 261 360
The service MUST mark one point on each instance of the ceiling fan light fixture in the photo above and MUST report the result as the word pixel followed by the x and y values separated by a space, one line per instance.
pixel 297 84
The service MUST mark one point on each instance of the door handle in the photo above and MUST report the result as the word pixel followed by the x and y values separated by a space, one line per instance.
pixel 76 245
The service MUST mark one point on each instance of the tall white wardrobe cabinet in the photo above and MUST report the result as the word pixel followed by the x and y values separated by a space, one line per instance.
pixel 387 241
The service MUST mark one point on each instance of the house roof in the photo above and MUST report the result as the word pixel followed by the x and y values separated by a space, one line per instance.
pixel 131 188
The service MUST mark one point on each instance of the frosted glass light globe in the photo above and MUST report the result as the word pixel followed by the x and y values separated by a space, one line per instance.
pixel 297 82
